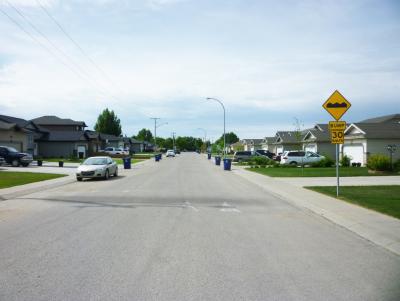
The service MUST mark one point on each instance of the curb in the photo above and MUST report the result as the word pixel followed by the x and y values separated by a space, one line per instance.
pixel 17 191
pixel 373 226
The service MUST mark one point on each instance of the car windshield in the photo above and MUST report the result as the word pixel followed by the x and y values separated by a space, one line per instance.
pixel 95 161
pixel 11 149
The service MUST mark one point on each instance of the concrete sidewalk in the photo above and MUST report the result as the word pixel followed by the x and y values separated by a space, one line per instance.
pixel 378 228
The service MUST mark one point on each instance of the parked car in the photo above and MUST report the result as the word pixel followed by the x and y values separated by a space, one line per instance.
pixel 115 151
pixel 265 153
pixel 97 167
pixel 170 153
pixel 242 156
pixel 177 151
pixel 14 157
pixel 299 157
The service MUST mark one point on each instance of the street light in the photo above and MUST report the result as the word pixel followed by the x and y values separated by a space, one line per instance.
pixel 205 133
pixel 223 107
pixel 155 130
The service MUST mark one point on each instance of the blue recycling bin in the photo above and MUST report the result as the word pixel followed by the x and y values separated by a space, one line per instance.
pixel 217 160
pixel 227 164
pixel 127 162
pixel 157 157
pixel 208 156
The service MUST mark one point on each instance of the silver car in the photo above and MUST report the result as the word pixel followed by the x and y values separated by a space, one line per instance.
pixel 97 167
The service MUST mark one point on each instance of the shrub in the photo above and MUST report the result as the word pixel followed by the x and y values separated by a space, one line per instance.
pixel 396 165
pixel 379 162
pixel 326 162
pixel 260 160
pixel 345 161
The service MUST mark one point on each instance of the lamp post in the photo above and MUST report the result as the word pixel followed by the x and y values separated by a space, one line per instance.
pixel 155 130
pixel 223 107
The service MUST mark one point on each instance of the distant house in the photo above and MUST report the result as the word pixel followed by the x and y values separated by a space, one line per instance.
pixel 234 147
pixel 112 141
pixel 287 140
pixel 318 140
pixel 63 137
pixel 267 144
pixel 251 144
pixel 18 133
pixel 364 139
pixel 136 145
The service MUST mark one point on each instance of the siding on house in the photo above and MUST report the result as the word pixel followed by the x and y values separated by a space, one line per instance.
pixel 63 149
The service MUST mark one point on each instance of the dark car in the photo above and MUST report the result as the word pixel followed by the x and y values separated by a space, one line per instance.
pixel 265 153
pixel 14 157
pixel 2 161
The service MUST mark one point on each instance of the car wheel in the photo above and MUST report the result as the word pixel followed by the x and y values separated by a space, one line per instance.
pixel 15 163
pixel 293 163
pixel 106 175
pixel 116 172
pixel 78 179
pixel 25 164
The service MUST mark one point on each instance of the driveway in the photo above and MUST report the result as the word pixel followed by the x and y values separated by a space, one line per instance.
pixel 182 229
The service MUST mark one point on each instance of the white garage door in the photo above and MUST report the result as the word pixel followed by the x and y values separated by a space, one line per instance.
pixel 354 152
pixel 279 149
pixel 311 148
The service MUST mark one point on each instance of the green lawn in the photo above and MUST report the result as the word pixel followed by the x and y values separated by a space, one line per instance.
pixel 314 171
pixel 10 179
pixel 384 199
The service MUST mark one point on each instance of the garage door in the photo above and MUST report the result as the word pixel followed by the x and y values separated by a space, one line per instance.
pixel 311 148
pixel 354 152
pixel 16 145
pixel 279 149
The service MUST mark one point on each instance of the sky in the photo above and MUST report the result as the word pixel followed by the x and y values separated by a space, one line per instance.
pixel 269 62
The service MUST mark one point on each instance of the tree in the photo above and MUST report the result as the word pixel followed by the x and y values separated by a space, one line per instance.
pixel 108 123
pixel 230 138
pixel 144 135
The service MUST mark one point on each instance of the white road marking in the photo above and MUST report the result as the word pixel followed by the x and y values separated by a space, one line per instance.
pixel 228 208
pixel 188 205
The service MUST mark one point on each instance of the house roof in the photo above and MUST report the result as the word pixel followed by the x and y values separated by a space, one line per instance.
pixel 6 125
pixel 383 119
pixel 375 130
pixel 288 136
pixel 110 137
pixel 92 134
pixel 320 133
pixel 251 141
pixel 16 121
pixel 64 136
pixel 54 120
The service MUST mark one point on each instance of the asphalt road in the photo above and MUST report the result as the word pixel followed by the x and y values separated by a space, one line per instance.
pixel 182 229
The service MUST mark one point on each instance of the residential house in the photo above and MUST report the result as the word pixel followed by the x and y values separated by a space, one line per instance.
pixel 136 146
pixel 373 137
pixel 112 141
pixel 287 140
pixel 234 147
pixel 267 144
pixel 63 137
pixel 317 140
pixel 18 133
pixel 251 144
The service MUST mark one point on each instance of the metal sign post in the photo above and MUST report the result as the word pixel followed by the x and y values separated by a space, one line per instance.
pixel 337 105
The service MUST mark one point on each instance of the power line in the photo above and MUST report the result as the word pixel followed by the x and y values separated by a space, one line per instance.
pixel 68 58
pixel 84 53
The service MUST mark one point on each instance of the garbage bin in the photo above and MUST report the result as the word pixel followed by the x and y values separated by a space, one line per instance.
pixel 127 162
pixel 208 156
pixel 60 163
pixel 157 158
pixel 39 162
pixel 217 160
pixel 227 164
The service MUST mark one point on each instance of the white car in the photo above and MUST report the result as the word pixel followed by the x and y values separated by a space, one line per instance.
pixel 170 153
pixel 300 157
pixel 115 151
pixel 97 167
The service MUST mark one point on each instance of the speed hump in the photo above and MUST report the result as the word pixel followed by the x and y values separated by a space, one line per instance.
pixel 337 131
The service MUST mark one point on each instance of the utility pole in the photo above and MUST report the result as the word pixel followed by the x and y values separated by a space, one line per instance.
pixel 155 132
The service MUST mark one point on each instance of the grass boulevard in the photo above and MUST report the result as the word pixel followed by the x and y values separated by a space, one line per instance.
pixel 10 179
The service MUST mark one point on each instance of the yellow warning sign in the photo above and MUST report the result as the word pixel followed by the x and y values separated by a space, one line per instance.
pixel 337 125
pixel 336 105
pixel 337 137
